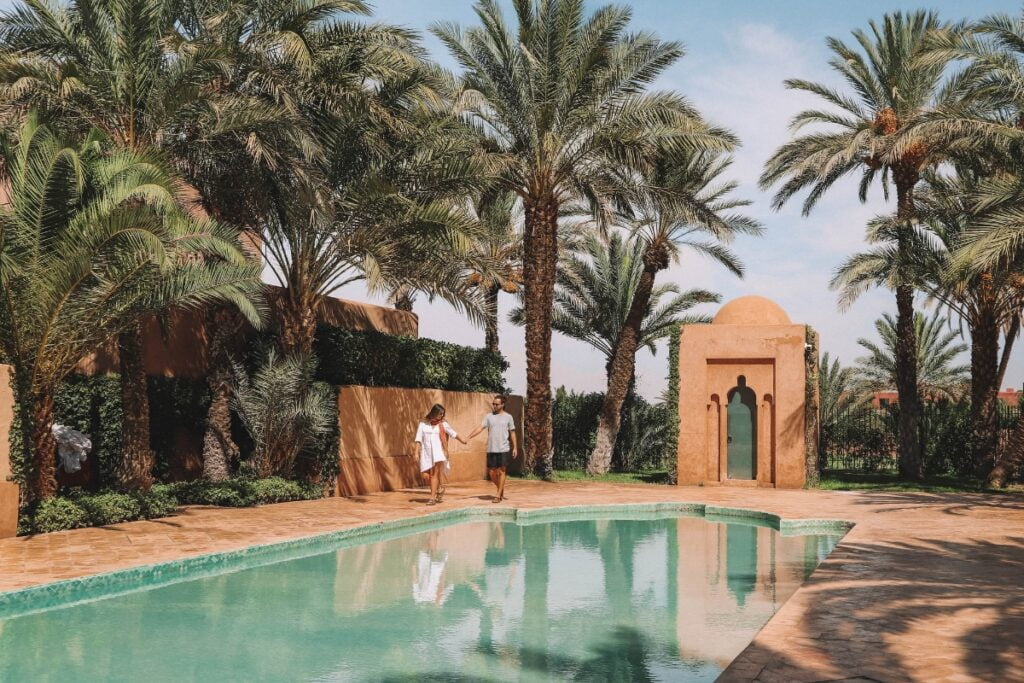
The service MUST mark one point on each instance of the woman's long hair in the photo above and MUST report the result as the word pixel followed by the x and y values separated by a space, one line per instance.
pixel 436 412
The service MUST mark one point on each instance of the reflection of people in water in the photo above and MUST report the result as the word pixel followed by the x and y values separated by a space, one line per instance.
pixel 428 584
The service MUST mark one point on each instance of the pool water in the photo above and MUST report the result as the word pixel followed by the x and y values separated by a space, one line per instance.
pixel 602 599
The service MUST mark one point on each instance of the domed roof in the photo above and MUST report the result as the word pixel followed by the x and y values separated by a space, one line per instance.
pixel 751 310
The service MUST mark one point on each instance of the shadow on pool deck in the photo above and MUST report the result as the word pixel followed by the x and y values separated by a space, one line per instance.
pixel 859 616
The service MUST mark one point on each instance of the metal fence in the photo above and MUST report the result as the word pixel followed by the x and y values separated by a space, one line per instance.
pixel 866 439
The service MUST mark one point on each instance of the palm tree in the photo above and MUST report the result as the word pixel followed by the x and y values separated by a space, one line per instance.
pixel 497 256
pixel 386 206
pixel 132 71
pixel 875 132
pixel 690 209
pixel 987 301
pixel 91 241
pixel 594 290
pixel 837 394
pixel 937 348
pixel 563 101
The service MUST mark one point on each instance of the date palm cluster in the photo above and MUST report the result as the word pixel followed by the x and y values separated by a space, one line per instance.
pixel 933 110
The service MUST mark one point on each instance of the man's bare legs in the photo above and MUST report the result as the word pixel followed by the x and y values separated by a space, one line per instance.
pixel 501 484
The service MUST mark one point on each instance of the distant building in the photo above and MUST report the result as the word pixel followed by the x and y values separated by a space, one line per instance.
pixel 882 399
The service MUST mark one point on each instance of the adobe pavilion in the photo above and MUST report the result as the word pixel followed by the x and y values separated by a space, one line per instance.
pixel 747 398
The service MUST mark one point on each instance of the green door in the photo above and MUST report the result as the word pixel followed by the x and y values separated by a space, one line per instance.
pixel 741 423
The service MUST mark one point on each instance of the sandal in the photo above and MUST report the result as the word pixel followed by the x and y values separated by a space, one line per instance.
pixel 432 501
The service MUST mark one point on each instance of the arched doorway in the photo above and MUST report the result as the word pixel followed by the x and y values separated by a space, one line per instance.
pixel 741 430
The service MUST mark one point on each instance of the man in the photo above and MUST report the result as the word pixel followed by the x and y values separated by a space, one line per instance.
pixel 501 443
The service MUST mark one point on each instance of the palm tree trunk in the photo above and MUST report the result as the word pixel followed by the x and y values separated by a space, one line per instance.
pixel 38 446
pixel 540 251
pixel 135 470
pixel 906 340
pixel 984 391
pixel 621 374
pixel 491 324
pixel 1011 336
pixel 219 449
pixel 298 325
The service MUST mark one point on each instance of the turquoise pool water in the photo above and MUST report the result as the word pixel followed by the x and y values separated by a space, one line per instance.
pixel 600 599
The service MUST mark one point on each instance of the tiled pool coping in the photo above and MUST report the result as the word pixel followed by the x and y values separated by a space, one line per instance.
pixel 107 584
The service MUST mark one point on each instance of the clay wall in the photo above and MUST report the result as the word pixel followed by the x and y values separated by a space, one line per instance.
pixel 771 357
pixel 179 349
pixel 378 425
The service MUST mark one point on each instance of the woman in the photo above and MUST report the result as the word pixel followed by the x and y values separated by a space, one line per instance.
pixel 432 448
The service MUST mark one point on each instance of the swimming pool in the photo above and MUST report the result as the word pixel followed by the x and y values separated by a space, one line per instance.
pixel 615 596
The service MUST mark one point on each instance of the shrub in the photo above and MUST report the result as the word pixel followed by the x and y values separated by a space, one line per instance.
pixel 642 438
pixel 92 405
pixel 243 492
pixel 110 508
pixel 157 502
pixel 283 410
pixel 58 514
pixel 274 490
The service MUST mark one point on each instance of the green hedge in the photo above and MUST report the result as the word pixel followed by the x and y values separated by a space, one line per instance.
pixel 241 492
pixel 380 360
pixel 643 434
pixel 78 510
pixel 92 405
pixel 175 402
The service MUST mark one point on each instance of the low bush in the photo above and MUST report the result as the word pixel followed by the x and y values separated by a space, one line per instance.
pixel 80 509
pixel 157 502
pixel 242 492
pixel 58 514
pixel 110 508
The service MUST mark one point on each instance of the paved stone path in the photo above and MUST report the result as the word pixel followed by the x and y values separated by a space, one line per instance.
pixel 925 587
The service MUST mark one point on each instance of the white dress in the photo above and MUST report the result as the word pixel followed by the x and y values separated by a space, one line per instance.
pixel 431 450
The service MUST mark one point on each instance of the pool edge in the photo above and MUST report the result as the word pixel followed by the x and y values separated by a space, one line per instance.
pixel 91 587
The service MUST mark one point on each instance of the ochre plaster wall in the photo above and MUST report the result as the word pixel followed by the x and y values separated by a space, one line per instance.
pixel 771 357
pixel 8 489
pixel 378 425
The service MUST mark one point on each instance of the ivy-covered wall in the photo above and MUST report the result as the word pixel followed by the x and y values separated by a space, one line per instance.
pixel 378 360
pixel 672 406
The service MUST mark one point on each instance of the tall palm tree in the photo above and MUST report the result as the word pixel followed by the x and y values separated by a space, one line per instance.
pixel 595 287
pixel 386 205
pixel 690 209
pixel 874 131
pixel 563 99
pixel 498 255
pixel 91 241
pixel 938 346
pixel 987 301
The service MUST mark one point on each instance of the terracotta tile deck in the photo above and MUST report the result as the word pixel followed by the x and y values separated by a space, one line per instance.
pixel 926 587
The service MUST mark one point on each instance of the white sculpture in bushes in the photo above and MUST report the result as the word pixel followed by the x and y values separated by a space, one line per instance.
pixel 72 447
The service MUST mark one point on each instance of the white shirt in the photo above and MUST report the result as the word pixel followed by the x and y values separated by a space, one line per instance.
pixel 431 450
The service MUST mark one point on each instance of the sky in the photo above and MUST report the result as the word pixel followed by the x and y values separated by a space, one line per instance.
pixel 737 55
